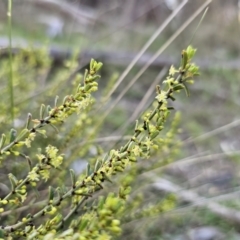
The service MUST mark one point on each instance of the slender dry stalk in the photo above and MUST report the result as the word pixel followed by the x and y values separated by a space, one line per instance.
pixel 145 47
pixel 155 56
pixel 145 67
pixel 226 213
pixel 142 103
pixel 212 133
pixel 10 79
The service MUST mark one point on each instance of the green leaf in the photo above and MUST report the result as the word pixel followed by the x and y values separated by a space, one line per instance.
pixel 29 162
pixel 92 62
pixel 178 87
pixel 88 169
pixel 184 59
pixel 22 134
pixel 42 111
pixel 105 157
pixel 101 202
pixel 29 119
pixel 49 108
pixel 99 66
pixel 107 178
pixel 85 75
pixel 83 224
pixel 73 177
pixel 172 98
pixel 190 52
pixel 2 235
pixel 98 164
pixel 56 100
pixel 50 193
pixel 13 134
pixel 2 141
pixel 13 180
pixel 186 90
pixel 193 69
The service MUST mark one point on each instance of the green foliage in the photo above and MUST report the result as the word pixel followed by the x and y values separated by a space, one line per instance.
pixel 42 199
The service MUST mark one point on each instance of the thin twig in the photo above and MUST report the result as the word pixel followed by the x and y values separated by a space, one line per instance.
pixel 144 68
pixel 213 132
pixel 145 47
pixel 142 103
pixel 10 80
pixel 192 197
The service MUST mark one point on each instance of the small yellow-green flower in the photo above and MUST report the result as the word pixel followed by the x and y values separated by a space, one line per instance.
pixel 162 97
pixel 136 151
pixel 33 176
pixel 148 142
pixel 30 138
pixel 172 70
pixel 57 161
pixel 51 151
pixel 45 174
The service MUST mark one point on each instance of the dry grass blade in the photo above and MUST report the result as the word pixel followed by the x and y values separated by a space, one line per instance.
pixel 160 51
pixel 193 198
pixel 145 47
pixel 204 158
pixel 213 132
pixel 145 67
pixel 143 102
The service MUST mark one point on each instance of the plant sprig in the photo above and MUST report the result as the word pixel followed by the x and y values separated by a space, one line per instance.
pixel 71 103
pixel 139 146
